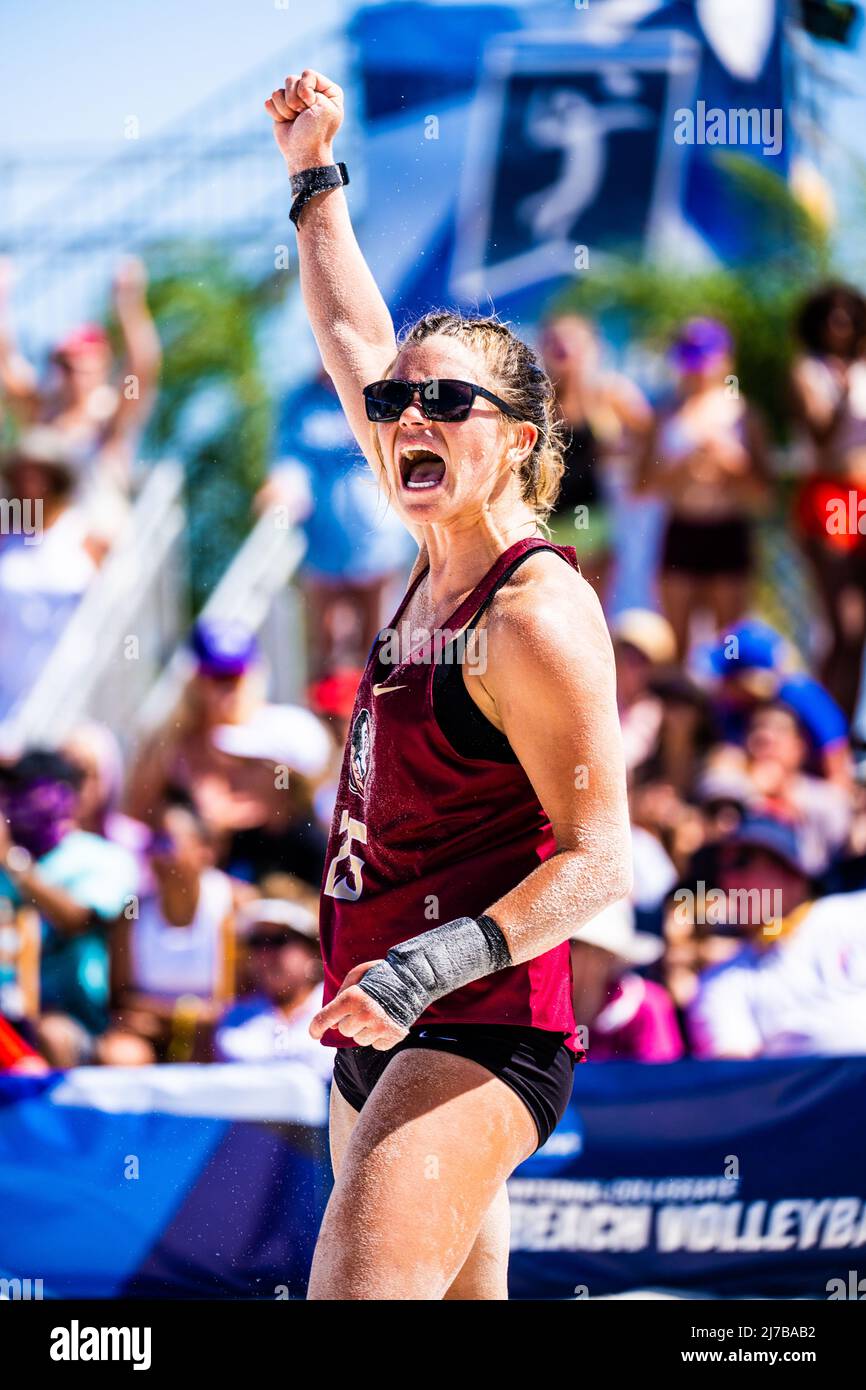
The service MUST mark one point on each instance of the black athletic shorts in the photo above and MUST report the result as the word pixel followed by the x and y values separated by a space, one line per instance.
pixel 706 549
pixel 535 1063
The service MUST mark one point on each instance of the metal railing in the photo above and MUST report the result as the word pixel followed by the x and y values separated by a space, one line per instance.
pixel 118 637
pixel 256 589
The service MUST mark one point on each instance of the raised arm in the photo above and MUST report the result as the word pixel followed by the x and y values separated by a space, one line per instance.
pixel 348 316
pixel 142 352
pixel 17 377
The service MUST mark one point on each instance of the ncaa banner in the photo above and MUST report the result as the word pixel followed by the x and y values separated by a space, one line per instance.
pixel 509 142
pixel 718 1179
pixel 713 1179
pixel 569 153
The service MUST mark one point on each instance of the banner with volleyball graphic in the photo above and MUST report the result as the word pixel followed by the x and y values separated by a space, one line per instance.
pixel 512 143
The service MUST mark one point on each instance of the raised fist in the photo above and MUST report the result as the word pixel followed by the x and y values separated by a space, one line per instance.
pixel 307 113
pixel 130 278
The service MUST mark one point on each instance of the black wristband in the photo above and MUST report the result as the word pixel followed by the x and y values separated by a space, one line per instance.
pixel 308 182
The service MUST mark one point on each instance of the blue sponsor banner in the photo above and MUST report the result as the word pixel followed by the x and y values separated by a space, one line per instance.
pixel 202 1182
pixel 420 55
pixel 742 70
pixel 716 1179
pixel 726 1179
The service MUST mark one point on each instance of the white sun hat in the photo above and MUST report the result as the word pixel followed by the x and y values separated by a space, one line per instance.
pixel 287 735
pixel 614 930
pixel 277 912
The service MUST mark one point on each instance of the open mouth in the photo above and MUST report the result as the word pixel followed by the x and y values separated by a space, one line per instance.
pixel 421 468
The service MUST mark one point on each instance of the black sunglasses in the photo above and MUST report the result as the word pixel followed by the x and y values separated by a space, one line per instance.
pixel 266 941
pixel 440 398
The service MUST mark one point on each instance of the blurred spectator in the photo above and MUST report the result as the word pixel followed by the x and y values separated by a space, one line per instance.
pixel 79 884
pixel 272 1023
pixel 657 808
pixel 226 688
pixel 776 753
pixel 642 641
pixel 173 963
pixel 100 419
pixel 796 984
pixel 605 415
pixel 46 563
pixel 707 458
pixel 654 876
pixel 829 400
pixel 355 545
pixel 627 1017
pixel 95 751
pixel 752 664
pixel 287 751
pixel 333 699
pixel 724 793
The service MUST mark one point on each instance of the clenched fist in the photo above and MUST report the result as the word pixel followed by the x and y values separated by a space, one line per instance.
pixel 354 1014
pixel 307 113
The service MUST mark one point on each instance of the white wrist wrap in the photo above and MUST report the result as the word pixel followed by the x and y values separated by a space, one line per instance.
pixel 437 962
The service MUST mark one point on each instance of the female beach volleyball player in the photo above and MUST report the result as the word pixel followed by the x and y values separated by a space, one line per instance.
pixel 449 893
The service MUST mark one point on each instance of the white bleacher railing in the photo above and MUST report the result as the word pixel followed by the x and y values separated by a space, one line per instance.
pixel 255 590
pixel 118 637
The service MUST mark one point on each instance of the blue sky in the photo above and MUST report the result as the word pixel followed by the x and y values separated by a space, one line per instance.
pixel 80 68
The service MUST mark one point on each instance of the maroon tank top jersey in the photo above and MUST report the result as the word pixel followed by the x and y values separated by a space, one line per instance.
pixel 422 834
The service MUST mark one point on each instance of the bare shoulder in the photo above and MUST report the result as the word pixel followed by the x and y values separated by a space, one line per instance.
pixel 547 610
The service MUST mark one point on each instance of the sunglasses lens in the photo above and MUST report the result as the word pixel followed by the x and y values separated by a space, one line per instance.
pixel 441 399
pixel 267 941
pixel 386 400
pixel 447 400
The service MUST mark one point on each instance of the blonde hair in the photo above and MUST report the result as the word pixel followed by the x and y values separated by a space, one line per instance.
pixel 522 383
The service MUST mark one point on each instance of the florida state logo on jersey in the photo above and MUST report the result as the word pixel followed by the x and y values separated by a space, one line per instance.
pixel 360 751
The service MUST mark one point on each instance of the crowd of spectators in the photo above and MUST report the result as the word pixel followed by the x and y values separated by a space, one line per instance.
pixel 177 897
pixel 175 892
pixel 67 465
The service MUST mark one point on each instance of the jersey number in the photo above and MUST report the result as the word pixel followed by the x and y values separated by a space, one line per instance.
pixel 350 886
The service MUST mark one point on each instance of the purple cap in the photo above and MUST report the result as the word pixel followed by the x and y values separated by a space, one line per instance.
pixel 223 648
pixel 698 342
